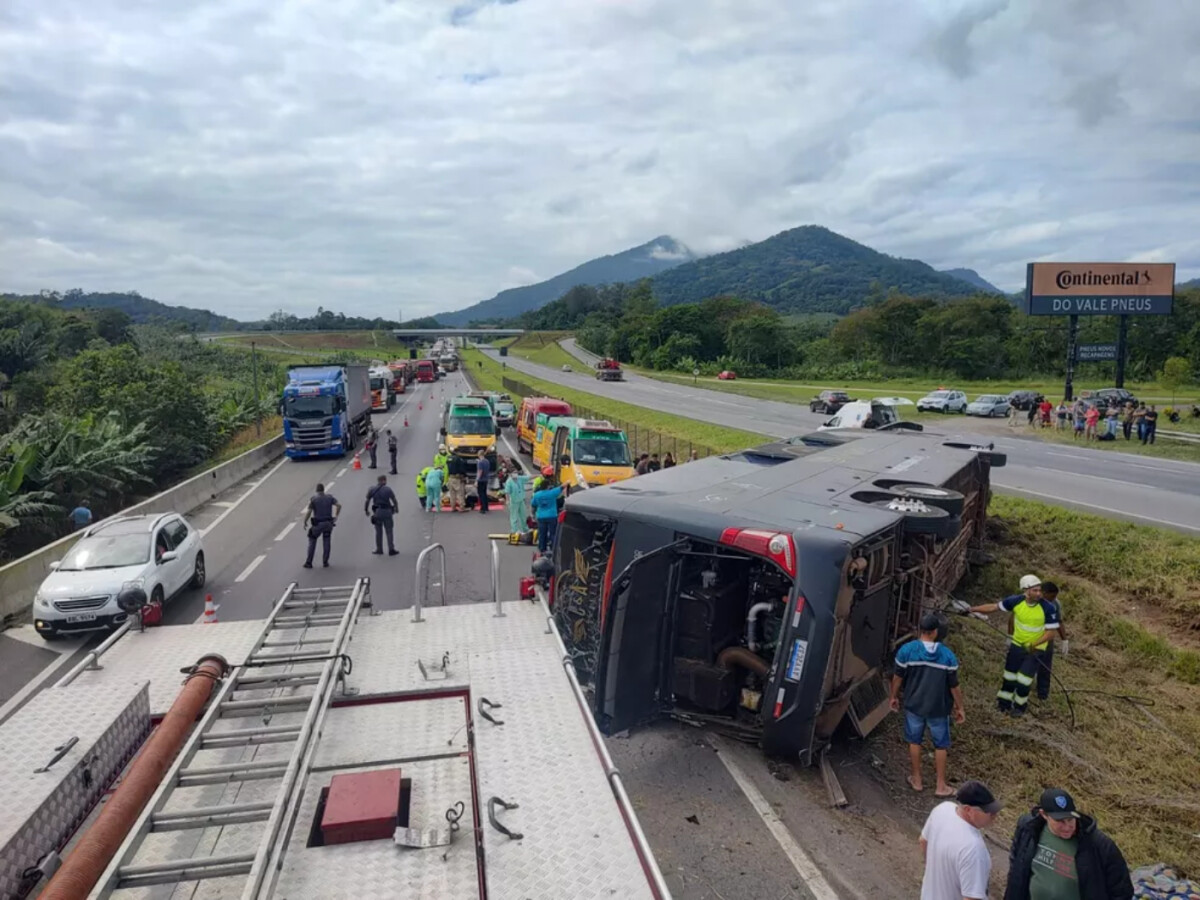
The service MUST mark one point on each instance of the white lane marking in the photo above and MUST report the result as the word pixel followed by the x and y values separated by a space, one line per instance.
pixel 34 683
pixel 224 504
pixel 1119 513
pixel 254 563
pixel 801 861
pixel 242 499
pixel 286 530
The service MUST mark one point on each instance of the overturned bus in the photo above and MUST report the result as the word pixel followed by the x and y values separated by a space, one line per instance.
pixel 763 593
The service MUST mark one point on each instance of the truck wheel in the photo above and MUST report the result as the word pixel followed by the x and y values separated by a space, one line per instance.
pixel 940 497
pixel 919 518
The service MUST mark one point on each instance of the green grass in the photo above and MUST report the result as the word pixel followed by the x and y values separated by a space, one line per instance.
pixel 1163 448
pixel 1131 598
pixel 377 343
pixel 549 354
pixel 681 431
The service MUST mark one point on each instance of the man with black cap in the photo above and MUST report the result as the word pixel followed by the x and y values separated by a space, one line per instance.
pixel 1059 854
pixel 957 862
pixel 927 672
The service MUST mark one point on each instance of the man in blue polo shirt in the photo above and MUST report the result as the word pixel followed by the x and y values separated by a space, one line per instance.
pixel 927 674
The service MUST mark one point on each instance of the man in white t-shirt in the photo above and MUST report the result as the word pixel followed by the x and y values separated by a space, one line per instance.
pixel 957 862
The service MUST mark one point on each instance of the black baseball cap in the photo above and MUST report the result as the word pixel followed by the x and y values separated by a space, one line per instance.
pixel 1058 804
pixel 930 622
pixel 976 793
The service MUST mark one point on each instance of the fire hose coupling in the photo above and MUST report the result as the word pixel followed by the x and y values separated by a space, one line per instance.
pixel 211 665
pixel 904 504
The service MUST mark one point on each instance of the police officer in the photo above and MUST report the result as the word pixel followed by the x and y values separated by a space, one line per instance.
pixel 372 445
pixel 381 506
pixel 319 519
pixel 392 449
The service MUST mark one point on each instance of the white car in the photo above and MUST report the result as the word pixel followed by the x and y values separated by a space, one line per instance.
pixel 160 554
pixel 877 413
pixel 944 402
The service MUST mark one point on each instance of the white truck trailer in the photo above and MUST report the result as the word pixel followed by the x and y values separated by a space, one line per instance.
pixel 444 752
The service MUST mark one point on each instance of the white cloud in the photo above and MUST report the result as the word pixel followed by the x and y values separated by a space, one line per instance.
pixel 370 154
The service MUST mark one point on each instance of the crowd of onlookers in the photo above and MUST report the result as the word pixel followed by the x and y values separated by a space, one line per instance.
pixel 1092 422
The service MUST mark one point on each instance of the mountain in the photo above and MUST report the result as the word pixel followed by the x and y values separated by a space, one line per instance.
pixel 649 259
pixel 804 270
pixel 142 310
pixel 1194 283
pixel 970 276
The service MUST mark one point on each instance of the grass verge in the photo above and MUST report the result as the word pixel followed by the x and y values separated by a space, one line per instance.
pixel 489 375
pixel 549 354
pixel 1131 596
pixel 1162 448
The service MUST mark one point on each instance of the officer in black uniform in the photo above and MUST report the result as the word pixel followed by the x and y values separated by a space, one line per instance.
pixel 392 449
pixel 381 506
pixel 319 519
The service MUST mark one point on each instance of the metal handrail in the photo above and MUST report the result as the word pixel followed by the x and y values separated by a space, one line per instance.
pixel 611 771
pixel 496 596
pixel 422 577
pixel 90 661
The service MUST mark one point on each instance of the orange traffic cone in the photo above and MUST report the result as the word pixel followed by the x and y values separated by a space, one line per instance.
pixel 419 406
pixel 406 421
pixel 357 462
pixel 210 610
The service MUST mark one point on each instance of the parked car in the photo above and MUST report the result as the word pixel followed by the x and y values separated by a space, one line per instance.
pixel 159 554
pixel 566 368
pixel 727 375
pixel 943 401
pixel 1106 397
pixel 989 405
pixel 829 402
pixel 506 411
pixel 1023 399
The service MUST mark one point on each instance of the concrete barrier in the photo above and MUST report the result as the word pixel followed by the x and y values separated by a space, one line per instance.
pixel 19 580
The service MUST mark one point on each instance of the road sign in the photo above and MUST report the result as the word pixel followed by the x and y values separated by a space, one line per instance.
pixel 1096 352
pixel 1099 289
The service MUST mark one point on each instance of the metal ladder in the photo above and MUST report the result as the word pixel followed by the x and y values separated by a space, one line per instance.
pixel 265 685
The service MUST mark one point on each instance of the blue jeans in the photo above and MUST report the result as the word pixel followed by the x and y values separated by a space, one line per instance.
pixel 546 529
pixel 939 730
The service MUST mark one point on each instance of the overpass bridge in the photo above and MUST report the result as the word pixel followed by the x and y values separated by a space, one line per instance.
pixel 460 334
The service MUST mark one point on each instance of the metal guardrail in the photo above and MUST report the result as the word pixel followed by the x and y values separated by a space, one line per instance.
pixel 421 587
pixel 1183 436
pixel 649 863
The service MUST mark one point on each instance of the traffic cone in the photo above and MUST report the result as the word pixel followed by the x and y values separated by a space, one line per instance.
pixel 406 421
pixel 419 406
pixel 210 610
pixel 357 462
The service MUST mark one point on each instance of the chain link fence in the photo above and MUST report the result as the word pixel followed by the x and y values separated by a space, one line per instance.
pixel 641 439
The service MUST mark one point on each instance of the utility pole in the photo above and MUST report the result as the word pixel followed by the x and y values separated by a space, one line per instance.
pixel 1122 339
pixel 257 404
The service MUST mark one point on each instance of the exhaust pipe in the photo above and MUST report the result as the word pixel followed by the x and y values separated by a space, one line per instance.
pixel 747 659
pixel 95 850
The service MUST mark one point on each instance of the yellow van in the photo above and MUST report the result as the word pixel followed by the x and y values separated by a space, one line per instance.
pixel 468 427
pixel 591 451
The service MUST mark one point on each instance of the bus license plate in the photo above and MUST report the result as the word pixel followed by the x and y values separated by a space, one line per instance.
pixel 796 660
pixel 79 618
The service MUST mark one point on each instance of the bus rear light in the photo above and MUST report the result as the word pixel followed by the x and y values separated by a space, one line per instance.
pixel 776 546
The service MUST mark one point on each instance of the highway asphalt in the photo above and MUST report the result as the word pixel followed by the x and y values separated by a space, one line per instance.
pixel 1165 493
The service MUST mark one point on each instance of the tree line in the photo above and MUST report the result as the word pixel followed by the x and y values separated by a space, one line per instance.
pixel 981 337
pixel 93 407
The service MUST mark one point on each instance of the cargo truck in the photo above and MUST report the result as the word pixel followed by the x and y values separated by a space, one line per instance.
pixel 609 369
pixel 325 410
pixel 763 593
pixel 381 389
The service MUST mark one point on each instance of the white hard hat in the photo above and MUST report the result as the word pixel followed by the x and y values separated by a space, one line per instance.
pixel 1030 581
pixel 442 449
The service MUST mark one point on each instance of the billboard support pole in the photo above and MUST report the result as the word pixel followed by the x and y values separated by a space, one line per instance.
pixel 1072 338
pixel 1122 338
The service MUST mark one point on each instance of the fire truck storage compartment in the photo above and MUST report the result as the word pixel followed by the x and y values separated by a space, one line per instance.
pixel 58 754
pixel 713 661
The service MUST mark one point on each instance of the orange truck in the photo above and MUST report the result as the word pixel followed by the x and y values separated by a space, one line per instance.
pixel 399 370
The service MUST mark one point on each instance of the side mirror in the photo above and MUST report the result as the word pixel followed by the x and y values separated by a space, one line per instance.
pixel 443 432
pixel 169 556
pixel 54 565
pixel 497 431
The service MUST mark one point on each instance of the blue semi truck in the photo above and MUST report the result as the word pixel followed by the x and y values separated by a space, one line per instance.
pixel 325 410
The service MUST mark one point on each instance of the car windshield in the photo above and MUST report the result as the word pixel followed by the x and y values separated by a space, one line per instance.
pixel 504 406
pixel 600 452
pixel 839 395
pixel 459 425
pixel 939 395
pixel 107 552
pixel 378 384
pixel 308 407
pixel 989 398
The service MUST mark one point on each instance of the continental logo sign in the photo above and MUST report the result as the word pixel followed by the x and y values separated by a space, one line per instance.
pixel 1099 289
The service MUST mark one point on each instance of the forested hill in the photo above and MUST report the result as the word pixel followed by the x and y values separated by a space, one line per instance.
pixel 970 276
pixel 631 265
pixel 806 269
pixel 142 310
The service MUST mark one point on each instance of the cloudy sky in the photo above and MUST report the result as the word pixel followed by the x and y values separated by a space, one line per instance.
pixel 379 155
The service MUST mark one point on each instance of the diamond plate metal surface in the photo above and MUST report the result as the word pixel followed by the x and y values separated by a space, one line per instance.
pixel 380 868
pixel 361 735
pixel 157 655
pixel 41 809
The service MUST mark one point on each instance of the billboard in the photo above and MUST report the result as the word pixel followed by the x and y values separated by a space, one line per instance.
pixel 1099 289
pixel 1096 352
